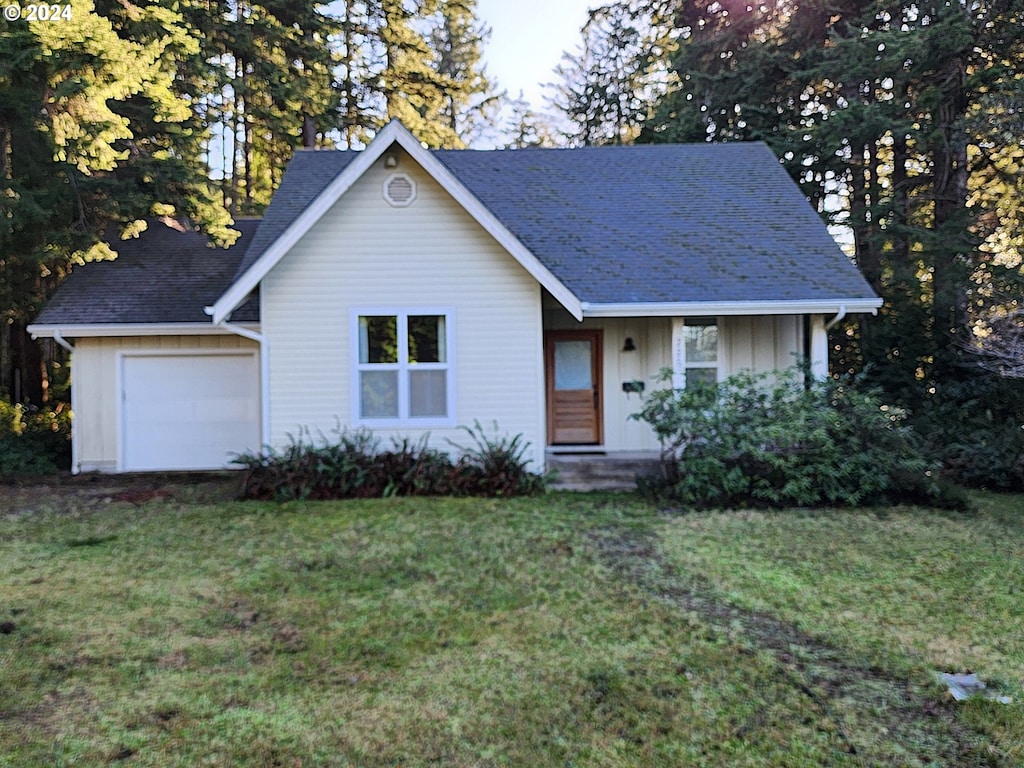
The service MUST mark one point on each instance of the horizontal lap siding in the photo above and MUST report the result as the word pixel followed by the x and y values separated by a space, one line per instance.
pixel 94 368
pixel 363 253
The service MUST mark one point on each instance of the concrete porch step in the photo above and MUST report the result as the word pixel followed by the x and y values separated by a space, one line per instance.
pixel 614 471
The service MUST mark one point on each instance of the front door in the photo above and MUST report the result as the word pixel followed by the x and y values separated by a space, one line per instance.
pixel 573 360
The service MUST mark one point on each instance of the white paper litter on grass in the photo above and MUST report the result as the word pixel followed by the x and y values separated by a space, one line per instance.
pixel 963 687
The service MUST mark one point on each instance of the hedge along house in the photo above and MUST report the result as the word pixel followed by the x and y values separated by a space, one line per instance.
pixel 412 291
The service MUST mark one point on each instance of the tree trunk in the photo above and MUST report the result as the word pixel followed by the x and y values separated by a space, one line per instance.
pixel 949 247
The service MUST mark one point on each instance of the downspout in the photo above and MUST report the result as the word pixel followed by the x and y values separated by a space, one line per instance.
pixel 819 342
pixel 76 464
pixel 837 319
pixel 260 339
pixel 59 338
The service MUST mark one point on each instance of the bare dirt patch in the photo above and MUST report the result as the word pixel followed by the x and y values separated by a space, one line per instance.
pixel 75 494
pixel 859 699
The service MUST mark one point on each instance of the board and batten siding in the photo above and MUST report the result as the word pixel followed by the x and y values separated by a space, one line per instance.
pixel 365 254
pixel 761 342
pixel 96 379
pixel 748 343
pixel 653 339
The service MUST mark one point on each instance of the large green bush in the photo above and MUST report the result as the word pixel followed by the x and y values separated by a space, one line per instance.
pixel 975 428
pixel 781 439
pixel 34 440
pixel 353 465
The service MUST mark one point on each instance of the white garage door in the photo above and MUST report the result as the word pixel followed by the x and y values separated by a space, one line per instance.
pixel 188 411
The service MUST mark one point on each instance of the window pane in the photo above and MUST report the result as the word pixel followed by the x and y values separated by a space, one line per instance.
pixel 378 394
pixel 427 339
pixel 428 393
pixel 572 365
pixel 701 343
pixel 378 339
pixel 697 376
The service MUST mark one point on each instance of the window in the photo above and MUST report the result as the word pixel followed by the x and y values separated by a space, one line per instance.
pixel 695 344
pixel 403 366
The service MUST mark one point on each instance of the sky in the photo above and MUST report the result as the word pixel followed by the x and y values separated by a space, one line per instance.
pixel 527 41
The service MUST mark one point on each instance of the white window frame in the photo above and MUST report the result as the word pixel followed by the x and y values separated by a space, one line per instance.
pixel 403 366
pixel 680 365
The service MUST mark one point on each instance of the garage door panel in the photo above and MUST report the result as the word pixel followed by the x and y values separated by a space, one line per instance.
pixel 189 412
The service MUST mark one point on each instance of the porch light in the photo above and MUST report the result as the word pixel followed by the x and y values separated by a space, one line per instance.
pixel 629 346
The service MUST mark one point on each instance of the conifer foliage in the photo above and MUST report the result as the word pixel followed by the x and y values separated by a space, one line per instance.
pixel 902 122
pixel 123 110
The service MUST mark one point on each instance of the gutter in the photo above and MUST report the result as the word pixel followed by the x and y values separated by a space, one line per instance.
pixel 719 308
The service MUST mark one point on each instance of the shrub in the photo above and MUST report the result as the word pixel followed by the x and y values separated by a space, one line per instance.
pixel 775 440
pixel 975 428
pixel 495 465
pixel 354 466
pixel 34 440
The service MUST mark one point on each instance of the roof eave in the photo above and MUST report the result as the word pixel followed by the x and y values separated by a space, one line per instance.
pixel 393 133
pixel 858 305
pixel 84 330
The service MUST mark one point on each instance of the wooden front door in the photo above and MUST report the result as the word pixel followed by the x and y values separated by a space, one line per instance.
pixel 573 363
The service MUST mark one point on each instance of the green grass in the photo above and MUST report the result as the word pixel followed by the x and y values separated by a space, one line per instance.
pixel 565 630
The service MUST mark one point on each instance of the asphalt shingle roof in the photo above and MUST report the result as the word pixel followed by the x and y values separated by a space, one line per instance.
pixel 636 224
pixel 306 176
pixel 645 223
pixel 164 276
pixel 663 223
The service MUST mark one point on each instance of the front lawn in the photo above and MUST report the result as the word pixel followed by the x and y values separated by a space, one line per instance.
pixel 178 628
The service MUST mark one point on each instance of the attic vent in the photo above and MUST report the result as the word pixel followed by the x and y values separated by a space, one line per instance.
pixel 399 190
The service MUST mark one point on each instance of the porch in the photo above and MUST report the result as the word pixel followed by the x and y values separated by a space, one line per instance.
pixel 600 470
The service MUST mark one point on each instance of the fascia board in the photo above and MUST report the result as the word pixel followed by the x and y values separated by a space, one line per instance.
pixel 708 309
pixel 393 133
pixel 492 225
pixel 132 329
pixel 245 284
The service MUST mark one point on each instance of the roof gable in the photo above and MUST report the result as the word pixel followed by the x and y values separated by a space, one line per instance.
pixel 297 212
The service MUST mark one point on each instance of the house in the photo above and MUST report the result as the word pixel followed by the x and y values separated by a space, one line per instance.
pixel 412 291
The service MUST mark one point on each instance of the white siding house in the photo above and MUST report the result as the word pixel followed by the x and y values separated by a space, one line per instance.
pixel 366 257
pixel 413 292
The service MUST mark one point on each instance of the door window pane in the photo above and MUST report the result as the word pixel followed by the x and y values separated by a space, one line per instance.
pixel 428 393
pixel 378 394
pixel 378 339
pixel 573 365
pixel 427 339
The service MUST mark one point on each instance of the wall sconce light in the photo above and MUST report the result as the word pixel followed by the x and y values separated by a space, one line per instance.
pixel 390 161
pixel 629 346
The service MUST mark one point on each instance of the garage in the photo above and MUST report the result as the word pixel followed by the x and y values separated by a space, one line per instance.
pixel 188 411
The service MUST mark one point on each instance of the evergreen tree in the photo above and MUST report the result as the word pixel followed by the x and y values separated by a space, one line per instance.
pixel 457 39
pixel 871 105
pixel 93 138
pixel 266 87
pixel 524 128
pixel 607 88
